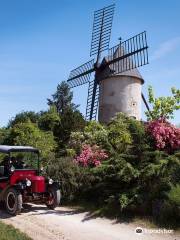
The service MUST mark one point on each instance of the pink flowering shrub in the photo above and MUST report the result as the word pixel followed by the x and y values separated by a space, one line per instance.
pixel 165 135
pixel 91 156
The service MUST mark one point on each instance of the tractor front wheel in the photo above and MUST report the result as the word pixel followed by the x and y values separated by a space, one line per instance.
pixel 13 201
pixel 54 197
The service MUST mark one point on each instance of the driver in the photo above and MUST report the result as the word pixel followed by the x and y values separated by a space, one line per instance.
pixel 14 162
pixel 20 163
pixel 17 163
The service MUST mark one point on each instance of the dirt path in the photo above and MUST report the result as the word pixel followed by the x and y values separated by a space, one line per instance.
pixel 70 224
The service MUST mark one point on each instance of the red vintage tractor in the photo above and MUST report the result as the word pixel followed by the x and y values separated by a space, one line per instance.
pixel 20 180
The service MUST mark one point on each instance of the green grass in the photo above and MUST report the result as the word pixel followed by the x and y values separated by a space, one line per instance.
pixel 8 232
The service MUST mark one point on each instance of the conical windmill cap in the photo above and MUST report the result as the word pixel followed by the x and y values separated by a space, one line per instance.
pixel 125 64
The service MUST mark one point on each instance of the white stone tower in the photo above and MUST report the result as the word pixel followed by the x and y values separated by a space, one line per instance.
pixel 120 93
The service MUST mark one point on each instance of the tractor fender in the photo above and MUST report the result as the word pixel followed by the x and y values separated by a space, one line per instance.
pixel 3 192
pixel 19 187
pixel 55 185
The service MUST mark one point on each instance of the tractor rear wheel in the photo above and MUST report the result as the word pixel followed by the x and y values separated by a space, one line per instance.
pixel 13 201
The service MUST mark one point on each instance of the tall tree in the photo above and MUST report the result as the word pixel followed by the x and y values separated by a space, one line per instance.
pixel 62 98
pixel 163 107
pixel 70 118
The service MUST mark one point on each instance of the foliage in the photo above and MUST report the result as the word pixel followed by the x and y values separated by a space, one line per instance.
pixel 165 135
pixel 70 121
pixel 49 130
pixel 91 156
pixel 76 141
pixel 29 134
pixel 49 119
pixel 8 232
pixel 163 107
pixel 24 117
pixel 62 98
pixel 154 178
pixel 118 133
pixel 123 182
pixel 127 183
pixel 116 137
pixel 72 178
pixel 174 195
pixel 133 184
pixel 124 201
pixel 139 137
pixel 168 215
pixel 95 133
pixel 4 132
pixel 114 182
pixel 174 171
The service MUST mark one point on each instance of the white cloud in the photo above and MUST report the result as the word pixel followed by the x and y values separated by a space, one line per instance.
pixel 165 48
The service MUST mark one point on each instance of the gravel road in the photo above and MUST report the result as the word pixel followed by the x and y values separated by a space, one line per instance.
pixel 67 223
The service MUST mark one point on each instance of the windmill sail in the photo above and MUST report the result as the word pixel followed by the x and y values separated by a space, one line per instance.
pixel 81 75
pixel 92 100
pixel 101 30
pixel 129 54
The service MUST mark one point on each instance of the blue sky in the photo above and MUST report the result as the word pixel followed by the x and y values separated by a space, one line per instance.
pixel 42 40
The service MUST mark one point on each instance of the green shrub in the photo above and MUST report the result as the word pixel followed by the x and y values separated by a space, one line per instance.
pixel 94 134
pixel 134 179
pixel 76 141
pixel 97 134
pixel 73 179
pixel 168 215
pixel 174 195
pixel 140 139
pixel 169 210
pixel 132 183
pixel 118 134
pixel 116 137
pixel 173 167
pixel 112 178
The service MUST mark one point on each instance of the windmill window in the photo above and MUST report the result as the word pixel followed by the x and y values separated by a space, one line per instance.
pixel 133 104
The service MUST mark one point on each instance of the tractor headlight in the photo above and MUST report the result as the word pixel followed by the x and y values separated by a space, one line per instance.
pixel 51 181
pixel 12 169
pixel 28 183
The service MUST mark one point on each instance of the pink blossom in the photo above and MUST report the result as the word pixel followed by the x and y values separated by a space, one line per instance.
pixel 165 134
pixel 91 156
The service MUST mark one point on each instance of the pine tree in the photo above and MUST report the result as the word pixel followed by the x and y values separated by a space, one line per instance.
pixel 62 98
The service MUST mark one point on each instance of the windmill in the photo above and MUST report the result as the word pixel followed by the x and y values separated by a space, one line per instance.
pixel 114 74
